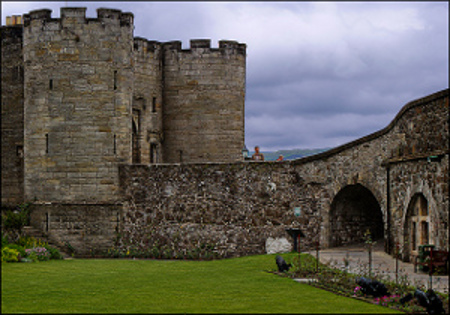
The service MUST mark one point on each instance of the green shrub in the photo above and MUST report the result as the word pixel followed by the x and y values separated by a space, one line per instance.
pixel 17 218
pixel 5 240
pixel 30 242
pixel 54 252
pixel 10 254
pixel 18 248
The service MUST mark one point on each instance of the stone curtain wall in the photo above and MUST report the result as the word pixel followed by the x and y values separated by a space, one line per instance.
pixel 431 179
pixel 236 207
pixel 12 115
pixel 233 208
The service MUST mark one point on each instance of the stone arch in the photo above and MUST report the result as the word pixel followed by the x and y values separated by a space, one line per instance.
pixel 416 229
pixel 354 210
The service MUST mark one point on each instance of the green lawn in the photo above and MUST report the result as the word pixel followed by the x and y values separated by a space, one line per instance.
pixel 239 285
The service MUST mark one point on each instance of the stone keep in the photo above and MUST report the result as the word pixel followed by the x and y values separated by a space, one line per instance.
pixel 95 97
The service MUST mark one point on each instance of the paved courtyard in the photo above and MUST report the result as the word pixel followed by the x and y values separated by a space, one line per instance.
pixel 382 263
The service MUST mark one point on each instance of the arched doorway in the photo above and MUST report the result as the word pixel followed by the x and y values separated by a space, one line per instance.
pixel 355 210
pixel 416 231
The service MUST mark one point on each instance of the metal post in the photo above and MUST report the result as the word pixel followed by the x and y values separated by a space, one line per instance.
pixel 299 253
pixel 317 256
pixel 431 269
pixel 396 262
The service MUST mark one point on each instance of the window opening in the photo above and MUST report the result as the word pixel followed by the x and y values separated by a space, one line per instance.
pixel 115 145
pixel 46 143
pixel 115 79
pixel 50 84
pixel 154 105
pixel 153 153
pixel 19 151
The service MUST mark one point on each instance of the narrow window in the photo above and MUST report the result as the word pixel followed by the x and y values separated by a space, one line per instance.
pixel 46 143
pixel 153 153
pixel 154 105
pixel 181 156
pixel 47 221
pixel 115 79
pixel 413 236
pixel 115 145
pixel 19 151
pixel 50 84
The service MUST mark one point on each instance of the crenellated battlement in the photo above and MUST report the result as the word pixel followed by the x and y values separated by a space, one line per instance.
pixel 144 45
pixel 225 46
pixel 74 15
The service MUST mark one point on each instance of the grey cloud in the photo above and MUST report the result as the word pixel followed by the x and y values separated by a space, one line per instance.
pixel 319 74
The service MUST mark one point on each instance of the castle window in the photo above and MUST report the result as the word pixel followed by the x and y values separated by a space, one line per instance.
pixel 115 79
pixel 154 105
pixel 115 145
pixel 46 143
pixel 181 155
pixel 153 153
pixel 50 84
pixel 19 151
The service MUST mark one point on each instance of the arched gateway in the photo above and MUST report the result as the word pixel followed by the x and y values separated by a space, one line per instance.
pixel 355 210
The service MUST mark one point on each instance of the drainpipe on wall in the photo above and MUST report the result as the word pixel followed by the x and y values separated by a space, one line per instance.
pixel 388 210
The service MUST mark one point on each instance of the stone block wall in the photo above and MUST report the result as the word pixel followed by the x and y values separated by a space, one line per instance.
pixel 78 92
pixel 84 229
pixel 204 95
pixel 12 115
pixel 147 99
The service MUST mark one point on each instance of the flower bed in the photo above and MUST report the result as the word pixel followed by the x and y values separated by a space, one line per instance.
pixel 344 283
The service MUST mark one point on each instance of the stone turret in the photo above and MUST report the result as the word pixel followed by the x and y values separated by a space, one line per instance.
pixel 204 95
pixel 78 92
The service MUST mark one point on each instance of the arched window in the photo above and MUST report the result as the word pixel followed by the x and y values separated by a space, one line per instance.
pixel 417 226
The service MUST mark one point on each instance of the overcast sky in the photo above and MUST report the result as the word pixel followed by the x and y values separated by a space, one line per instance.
pixel 319 74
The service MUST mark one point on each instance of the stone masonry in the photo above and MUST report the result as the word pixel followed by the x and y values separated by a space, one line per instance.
pixel 367 184
pixel 84 95
pixel 128 144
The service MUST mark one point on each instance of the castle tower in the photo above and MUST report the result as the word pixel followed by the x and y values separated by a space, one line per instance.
pixel 77 110
pixel 12 115
pixel 204 95
pixel 147 103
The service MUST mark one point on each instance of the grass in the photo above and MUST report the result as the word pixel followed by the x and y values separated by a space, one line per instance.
pixel 239 285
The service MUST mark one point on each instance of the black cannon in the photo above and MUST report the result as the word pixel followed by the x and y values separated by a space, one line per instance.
pixel 282 265
pixel 430 301
pixel 372 287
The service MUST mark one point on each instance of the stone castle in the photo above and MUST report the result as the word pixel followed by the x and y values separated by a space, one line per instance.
pixel 125 143
pixel 84 95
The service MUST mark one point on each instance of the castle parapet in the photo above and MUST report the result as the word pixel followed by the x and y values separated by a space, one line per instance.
pixel 74 15
pixel 144 45
pixel 43 14
pixel 115 16
pixel 225 46
pixel 200 43
pixel 233 46
pixel 173 45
